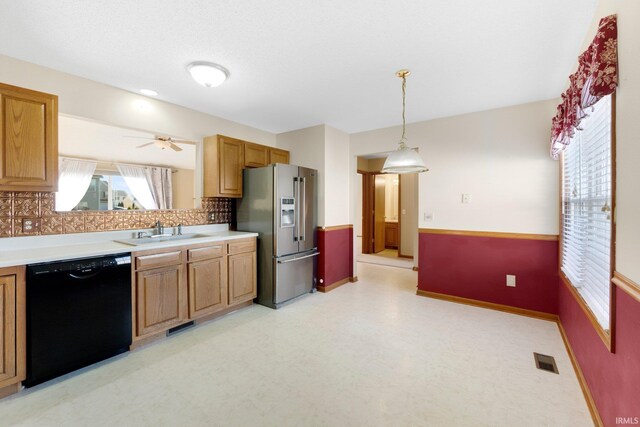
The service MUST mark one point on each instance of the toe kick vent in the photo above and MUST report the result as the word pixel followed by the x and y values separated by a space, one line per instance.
pixel 546 363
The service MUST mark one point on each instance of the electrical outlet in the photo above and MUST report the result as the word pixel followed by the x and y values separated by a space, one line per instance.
pixel 511 280
pixel 30 225
pixel 466 198
pixel 212 216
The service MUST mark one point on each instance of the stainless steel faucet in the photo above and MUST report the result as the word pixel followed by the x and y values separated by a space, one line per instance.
pixel 159 227
pixel 179 230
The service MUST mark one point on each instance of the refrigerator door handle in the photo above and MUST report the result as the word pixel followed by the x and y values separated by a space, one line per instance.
pixel 303 213
pixel 296 195
pixel 298 259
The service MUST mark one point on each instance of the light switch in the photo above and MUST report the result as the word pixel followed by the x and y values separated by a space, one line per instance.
pixel 428 216
pixel 511 280
pixel 466 198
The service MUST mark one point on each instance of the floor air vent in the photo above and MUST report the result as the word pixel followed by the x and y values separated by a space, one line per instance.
pixel 546 363
pixel 182 327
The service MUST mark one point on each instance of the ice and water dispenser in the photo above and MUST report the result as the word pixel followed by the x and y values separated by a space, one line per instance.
pixel 287 212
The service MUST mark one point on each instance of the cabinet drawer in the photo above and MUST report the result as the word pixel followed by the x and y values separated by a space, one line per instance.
pixel 206 252
pixel 239 246
pixel 158 260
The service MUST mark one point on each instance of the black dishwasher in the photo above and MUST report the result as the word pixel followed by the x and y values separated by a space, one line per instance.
pixel 78 313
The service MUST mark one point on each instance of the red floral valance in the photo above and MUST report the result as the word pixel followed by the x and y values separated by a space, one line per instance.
pixel 597 76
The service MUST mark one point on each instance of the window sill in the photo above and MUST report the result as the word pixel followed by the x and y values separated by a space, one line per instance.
pixel 605 335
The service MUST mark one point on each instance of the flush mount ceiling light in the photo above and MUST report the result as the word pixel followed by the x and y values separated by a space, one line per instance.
pixel 208 74
pixel 148 92
pixel 404 159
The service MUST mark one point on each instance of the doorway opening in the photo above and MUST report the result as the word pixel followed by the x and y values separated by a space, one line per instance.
pixel 389 225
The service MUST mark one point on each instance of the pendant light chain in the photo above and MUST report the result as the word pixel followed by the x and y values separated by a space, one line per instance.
pixel 404 159
pixel 404 89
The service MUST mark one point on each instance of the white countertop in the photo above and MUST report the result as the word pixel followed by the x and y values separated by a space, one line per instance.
pixel 36 249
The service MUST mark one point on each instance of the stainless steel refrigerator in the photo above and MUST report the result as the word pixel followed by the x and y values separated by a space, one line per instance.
pixel 279 202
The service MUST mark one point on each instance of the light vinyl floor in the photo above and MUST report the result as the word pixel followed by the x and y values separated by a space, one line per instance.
pixel 387 257
pixel 370 353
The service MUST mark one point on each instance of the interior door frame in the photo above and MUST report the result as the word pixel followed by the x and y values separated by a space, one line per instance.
pixel 368 192
pixel 368 204
pixel 399 215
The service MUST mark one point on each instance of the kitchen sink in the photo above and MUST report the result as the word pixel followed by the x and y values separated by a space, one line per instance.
pixel 160 238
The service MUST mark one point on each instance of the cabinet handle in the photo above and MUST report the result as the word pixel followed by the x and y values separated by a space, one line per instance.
pixel 296 195
pixel 301 207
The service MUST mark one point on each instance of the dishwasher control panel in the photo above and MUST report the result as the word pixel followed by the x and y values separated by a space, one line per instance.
pixel 85 264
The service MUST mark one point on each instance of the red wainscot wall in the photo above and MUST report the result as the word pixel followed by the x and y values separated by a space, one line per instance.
pixel 613 379
pixel 471 267
pixel 335 262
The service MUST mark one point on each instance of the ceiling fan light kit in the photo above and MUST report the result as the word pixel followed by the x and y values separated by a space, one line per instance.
pixel 208 74
pixel 162 142
pixel 404 159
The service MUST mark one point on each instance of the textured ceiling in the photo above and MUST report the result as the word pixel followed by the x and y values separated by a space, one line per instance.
pixel 298 63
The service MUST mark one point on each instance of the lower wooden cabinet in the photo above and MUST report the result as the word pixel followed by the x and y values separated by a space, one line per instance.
pixel 207 286
pixel 391 235
pixel 173 286
pixel 160 299
pixel 12 327
pixel 242 277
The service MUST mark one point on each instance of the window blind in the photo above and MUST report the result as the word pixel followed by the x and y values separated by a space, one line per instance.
pixel 586 210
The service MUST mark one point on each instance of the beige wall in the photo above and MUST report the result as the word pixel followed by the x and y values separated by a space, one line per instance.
pixel 337 175
pixel 391 195
pixel 627 132
pixel 500 157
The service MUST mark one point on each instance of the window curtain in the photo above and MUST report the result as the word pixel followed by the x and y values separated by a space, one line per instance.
pixel 159 180
pixel 596 77
pixel 74 178
pixel 136 179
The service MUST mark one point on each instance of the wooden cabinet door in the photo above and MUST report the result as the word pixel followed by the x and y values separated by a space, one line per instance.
pixel 8 355
pixel 278 156
pixel 207 286
pixel 160 299
pixel 255 155
pixel 230 163
pixel 391 235
pixel 242 277
pixel 28 140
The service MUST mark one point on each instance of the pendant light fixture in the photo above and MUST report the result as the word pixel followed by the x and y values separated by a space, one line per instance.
pixel 404 159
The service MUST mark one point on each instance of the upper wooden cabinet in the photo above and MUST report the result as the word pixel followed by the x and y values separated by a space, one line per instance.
pixel 277 155
pixel 28 140
pixel 224 159
pixel 255 155
pixel 223 164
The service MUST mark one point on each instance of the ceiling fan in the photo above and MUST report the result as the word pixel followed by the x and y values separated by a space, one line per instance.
pixel 163 142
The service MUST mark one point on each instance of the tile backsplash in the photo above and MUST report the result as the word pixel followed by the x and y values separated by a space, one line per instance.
pixel 18 206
